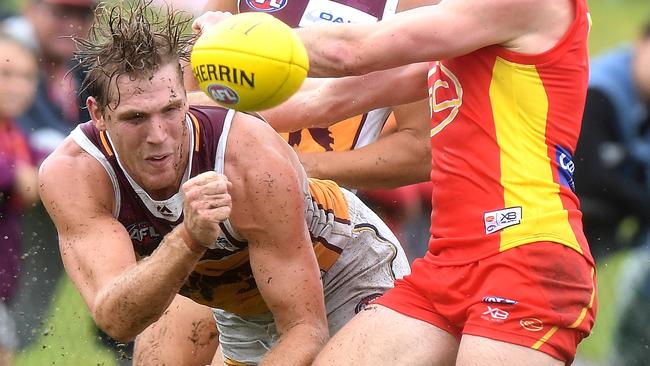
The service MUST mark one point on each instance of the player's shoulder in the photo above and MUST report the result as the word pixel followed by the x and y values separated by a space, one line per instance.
pixel 66 156
pixel 251 134
pixel 253 145
pixel 70 165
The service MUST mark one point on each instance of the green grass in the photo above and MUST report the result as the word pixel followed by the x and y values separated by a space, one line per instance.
pixel 615 21
pixel 68 336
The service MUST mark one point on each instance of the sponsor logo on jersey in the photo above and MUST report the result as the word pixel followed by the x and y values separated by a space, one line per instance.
pixel 445 97
pixel 565 167
pixel 223 243
pixel 267 6
pixel 143 233
pixel 501 219
pixel 164 210
pixel 531 324
pixel 498 300
pixel 223 94
pixel 495 314
pixel 326 11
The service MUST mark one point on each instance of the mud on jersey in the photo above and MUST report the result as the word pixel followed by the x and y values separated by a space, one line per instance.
pixel 223 277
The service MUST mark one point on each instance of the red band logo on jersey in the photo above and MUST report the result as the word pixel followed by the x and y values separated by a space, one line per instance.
pixel 267 6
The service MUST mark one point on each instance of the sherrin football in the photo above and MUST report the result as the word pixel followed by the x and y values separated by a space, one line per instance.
pixel 249 62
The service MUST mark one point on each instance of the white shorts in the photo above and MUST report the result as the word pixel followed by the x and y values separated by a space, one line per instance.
pixel 367 268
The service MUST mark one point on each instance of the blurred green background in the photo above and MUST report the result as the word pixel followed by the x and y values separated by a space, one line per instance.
pixel 68 336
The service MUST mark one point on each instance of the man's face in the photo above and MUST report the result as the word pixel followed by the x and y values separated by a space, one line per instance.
pixel 148 129
pixel 18 79
pixel 53 23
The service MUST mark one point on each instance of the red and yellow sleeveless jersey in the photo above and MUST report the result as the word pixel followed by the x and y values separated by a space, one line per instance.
pixel 504 127
pixel 351 133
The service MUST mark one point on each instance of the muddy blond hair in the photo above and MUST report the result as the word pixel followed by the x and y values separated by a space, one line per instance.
pixel 130 38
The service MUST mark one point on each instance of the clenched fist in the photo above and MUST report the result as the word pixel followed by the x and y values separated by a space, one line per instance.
pixel 206 203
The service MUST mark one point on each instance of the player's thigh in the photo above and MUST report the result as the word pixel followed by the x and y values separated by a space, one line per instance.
pixel 185 335
pixel 475 351
pixel 381 336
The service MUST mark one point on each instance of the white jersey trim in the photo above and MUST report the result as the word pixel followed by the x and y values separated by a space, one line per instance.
pixel 372 126
pixel 390 9
pixel 219 160
pixel 219 163
pixel 84 142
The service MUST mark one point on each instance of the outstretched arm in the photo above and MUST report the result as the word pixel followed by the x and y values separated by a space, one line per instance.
pixel 398 159
pixel 323 102
pixel 222 5
pixel 434 32
pixel 124 296
pixel 428 33
pixel 268 210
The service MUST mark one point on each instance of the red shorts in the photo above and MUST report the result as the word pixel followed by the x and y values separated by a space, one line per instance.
pixel 539 295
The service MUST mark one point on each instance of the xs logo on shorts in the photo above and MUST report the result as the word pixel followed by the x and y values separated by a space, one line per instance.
pixel 495 314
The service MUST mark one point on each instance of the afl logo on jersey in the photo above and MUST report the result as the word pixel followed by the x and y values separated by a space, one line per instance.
pixel 267 6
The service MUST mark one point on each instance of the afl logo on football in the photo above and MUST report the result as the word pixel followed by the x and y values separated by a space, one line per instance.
pixel 223 94
pixel 267 6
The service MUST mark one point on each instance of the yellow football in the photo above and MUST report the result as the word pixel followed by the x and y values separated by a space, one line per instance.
pixel 249 62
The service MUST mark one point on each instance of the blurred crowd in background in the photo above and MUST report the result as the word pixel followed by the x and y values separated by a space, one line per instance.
pixel 43 321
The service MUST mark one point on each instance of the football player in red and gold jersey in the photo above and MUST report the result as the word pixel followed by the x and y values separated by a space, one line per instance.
pixel 508 278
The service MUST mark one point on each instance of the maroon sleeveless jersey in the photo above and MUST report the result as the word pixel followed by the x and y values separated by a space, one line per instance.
pixel 301 13
pixel 223 277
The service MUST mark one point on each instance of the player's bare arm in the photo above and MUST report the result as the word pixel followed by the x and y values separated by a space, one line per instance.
pixel 123 296
pixel 408 160
pixel 223 5
pixel 435 32
pixel 322 102
pixel 268 210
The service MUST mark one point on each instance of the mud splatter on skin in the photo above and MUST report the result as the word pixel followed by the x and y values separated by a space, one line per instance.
pixel 197 337
pixel 268 180
pixel 180 150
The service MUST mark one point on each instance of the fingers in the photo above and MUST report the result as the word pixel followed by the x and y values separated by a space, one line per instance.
pixel 211 180
pixel 216 214
pixel 207 192
pixel 208 19
pixel 206 204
